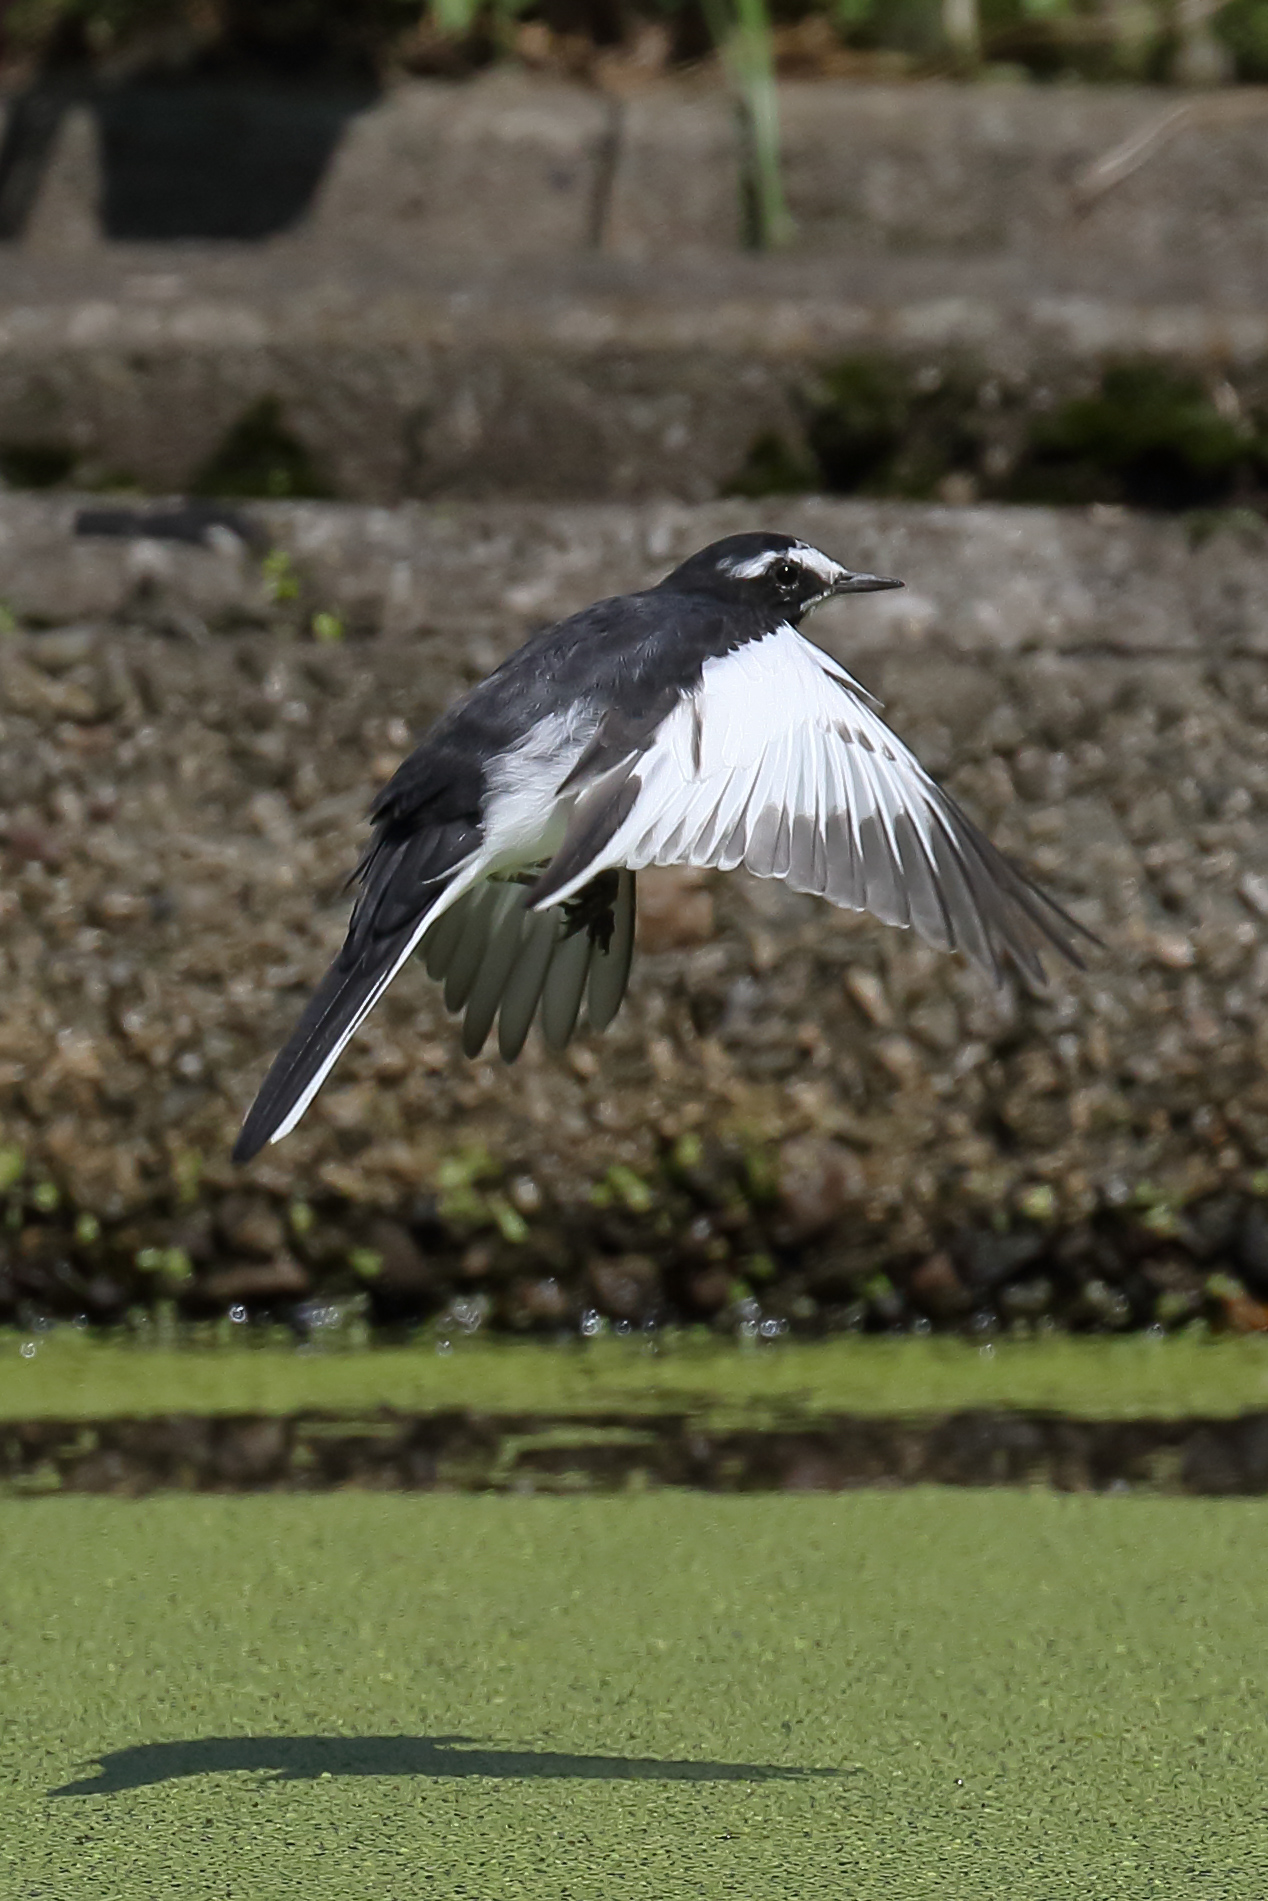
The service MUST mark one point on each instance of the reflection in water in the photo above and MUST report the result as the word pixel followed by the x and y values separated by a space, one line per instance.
pixel 305 1758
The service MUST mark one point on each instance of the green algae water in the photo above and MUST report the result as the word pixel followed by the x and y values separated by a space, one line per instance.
pixel 915 1694
pixel 69 1376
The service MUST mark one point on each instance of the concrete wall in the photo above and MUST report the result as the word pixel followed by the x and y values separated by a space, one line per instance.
pixel 985 580
pixel 518 167
pixel 523 289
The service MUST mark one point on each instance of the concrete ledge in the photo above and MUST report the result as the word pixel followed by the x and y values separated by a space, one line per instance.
pixel 599 380
pixel 517 166
pixel 1145 187
pixel 180 810
pixel 502 169
pixel 983 580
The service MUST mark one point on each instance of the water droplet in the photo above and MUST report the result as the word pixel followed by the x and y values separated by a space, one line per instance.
pixel 27 1349
pixel 237 1313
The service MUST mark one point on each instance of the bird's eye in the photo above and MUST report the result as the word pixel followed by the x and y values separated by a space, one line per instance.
pixel 785 574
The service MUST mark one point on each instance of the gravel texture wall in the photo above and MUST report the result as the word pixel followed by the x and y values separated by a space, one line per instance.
pixel 801 1118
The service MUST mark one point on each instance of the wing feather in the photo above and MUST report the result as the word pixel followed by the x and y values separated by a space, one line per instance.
pixel 780 762
pixel 524 987
pixel 564 988
pixel 506 930
pixel 468 952
pixel 441 940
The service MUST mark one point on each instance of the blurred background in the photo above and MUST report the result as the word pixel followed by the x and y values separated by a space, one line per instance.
pixel 341 345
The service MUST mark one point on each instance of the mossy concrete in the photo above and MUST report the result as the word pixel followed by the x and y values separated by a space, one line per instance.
pixel 597 377
pixel 64 1376
pixel 910 1695
pixel 527 288
pixel 1140 432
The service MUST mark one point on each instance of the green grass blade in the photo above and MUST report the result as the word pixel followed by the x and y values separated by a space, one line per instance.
pixel 741 30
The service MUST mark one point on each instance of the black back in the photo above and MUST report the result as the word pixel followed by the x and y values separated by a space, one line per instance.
pixel 631 657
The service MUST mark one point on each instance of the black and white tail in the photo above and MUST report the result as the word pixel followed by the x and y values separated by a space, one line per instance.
pixel 497 960
pixel 342 1001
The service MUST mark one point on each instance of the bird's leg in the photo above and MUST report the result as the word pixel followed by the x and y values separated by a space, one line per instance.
pixel 594 909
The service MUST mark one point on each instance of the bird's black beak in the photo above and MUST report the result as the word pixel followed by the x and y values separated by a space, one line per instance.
pixel 862 584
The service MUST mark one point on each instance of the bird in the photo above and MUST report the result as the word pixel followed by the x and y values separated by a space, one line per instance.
pixel 690 723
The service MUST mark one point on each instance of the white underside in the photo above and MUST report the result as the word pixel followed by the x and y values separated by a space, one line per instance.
pixel 525 817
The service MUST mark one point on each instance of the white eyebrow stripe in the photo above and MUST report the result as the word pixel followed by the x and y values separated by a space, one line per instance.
pixel 812 559
pixel 756 564
pixel 817 562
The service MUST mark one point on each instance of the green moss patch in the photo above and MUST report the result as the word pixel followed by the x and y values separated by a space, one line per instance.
pixel 1242 26
pixel 750 1240
pixel 66 1376
pixel 1149 436
pixel 262 459
pixel 909 1695
pixel 1145 434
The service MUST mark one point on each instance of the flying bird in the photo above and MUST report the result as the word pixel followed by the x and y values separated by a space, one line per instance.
pixel 687 724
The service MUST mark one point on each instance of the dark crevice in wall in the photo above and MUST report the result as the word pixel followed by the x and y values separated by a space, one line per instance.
pixel 184 159
pixel 607 161
pixel 1144 433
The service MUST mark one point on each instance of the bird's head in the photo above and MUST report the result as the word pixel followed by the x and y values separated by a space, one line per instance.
pixel 778 573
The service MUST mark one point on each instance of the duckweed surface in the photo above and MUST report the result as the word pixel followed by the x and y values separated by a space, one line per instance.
pixel 66 1375
pixel 915 1694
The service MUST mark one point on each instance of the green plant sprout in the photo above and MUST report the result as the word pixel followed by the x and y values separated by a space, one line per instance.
pixel 280 579
pixel 741 31
pixel 457 17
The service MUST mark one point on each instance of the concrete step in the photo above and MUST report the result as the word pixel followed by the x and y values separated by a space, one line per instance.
pixel 592 379
pixel 1135 184
pixel 524 291
pixel 986 580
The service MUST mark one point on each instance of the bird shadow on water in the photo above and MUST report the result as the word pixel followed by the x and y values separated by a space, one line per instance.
pixel 308 1758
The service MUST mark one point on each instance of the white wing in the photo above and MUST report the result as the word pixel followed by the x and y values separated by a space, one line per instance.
pixel 779 762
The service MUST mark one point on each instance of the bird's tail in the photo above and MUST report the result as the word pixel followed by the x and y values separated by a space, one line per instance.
pixel 496 959
pixel 341 1003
